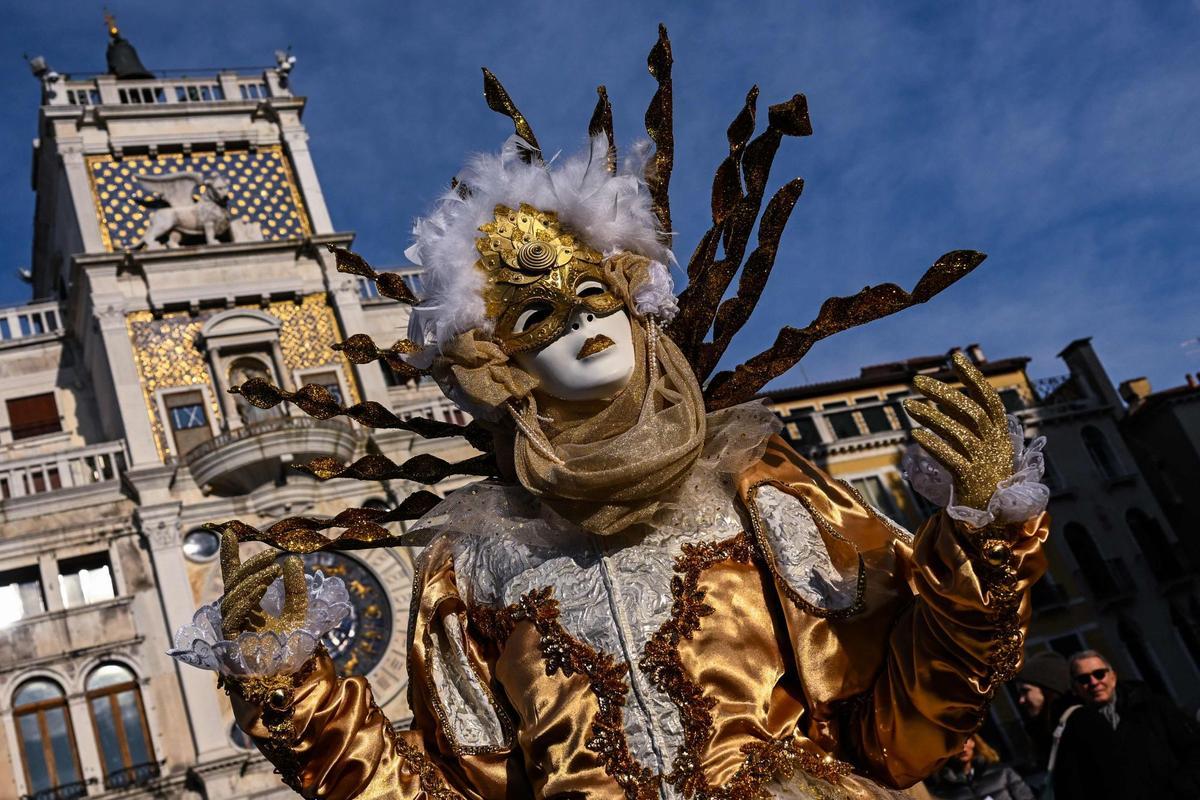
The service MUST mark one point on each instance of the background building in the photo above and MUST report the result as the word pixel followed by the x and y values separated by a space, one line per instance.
pixel 178 249
pixel 1124 575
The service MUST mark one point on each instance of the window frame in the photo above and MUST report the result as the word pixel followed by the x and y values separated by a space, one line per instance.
pixel 12 429
pixel 164 413
pixel 82 559
pixel 303 376
pixel 39 708
pixel 33 570
pixel 112 692
pixel 882 478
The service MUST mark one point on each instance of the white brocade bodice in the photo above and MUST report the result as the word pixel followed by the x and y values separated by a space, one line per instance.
pixel 614 592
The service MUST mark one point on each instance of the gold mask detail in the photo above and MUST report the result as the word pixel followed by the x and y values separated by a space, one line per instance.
pixel 538 273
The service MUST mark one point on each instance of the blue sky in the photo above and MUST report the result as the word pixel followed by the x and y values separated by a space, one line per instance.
pixel 1058 137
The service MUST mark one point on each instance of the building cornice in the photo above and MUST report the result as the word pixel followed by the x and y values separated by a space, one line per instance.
pixel 135 258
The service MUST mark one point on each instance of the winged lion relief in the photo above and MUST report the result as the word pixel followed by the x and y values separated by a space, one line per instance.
pixel 186 215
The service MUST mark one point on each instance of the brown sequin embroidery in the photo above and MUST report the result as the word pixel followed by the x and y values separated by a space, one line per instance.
pixel 427 774
pixel 566 655
pixel 664 667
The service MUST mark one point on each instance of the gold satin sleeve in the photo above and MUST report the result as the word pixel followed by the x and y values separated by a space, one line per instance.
pixel 328 739
pixel 895 683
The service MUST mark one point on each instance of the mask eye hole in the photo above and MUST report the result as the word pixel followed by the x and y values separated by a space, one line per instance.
pixel 590 289
pixel 533 315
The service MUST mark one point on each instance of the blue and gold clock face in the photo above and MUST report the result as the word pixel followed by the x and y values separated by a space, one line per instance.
pixel 360 642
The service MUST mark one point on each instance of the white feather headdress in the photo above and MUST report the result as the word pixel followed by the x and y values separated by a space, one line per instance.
pixel 610 211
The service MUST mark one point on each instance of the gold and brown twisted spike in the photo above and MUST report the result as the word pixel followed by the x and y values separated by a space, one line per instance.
pixel 660 127
pixel 361 349
pixel 246 583
pixel 737 195
pixel 738 190
pixel 499 101
pixel 391 285
pixel 317 401
pixel 362 528
pixel 837 314
pixel 602 122
pixel 425 468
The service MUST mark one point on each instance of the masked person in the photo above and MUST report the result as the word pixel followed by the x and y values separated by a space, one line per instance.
pixel 653 598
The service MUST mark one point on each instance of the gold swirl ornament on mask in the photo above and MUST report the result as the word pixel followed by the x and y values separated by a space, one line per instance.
pixel 533 263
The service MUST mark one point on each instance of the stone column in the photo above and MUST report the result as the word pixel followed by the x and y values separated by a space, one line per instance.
pixel 85 739
pixel 127 388
pixel 295 140
pixel 75 169
pixel 160 525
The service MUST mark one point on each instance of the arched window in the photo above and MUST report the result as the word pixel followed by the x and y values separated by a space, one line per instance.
pixel 1135 644
pixel 46 740
pixel 1153 543
pixel 1102 455
pixel 1093 566
pixel 115 702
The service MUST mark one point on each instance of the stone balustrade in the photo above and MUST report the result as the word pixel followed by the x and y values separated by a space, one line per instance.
pixel 66 469
pixel 30 320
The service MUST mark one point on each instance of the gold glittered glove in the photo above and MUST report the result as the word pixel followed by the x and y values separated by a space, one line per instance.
pixel 246 584
pixel 967 434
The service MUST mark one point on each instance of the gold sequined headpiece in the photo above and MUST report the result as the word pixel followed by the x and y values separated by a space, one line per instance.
pixel 533 264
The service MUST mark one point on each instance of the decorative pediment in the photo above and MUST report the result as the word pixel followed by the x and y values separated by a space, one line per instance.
pixel 239 324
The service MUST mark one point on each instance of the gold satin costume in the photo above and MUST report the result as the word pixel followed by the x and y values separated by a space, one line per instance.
pixel 771 690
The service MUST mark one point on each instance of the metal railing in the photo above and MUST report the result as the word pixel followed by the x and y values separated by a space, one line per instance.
pixel 270 425
pixel 137 775
pixel 32 319
pixel 67 791
pixel 39 474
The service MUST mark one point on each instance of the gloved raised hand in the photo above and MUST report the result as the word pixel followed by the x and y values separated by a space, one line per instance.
pixel 967 434
pixel 246 584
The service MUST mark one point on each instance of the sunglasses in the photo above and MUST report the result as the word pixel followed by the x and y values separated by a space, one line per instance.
pixel 1087 677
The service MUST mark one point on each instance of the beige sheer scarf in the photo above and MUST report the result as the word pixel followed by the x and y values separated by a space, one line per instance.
pixel 608 465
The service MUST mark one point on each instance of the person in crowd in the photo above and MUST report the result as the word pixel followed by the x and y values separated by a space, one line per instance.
pixel 976 773
pixel 1072 745
pixel 1156 743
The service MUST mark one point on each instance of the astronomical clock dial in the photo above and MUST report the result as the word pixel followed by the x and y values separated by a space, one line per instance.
pixel 371 640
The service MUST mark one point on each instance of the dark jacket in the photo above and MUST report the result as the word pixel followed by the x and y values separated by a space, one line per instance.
pixel 1088 766
pixel 997 781
pixel 1158 743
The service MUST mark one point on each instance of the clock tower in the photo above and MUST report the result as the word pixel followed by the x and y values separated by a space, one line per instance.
pixel 179 249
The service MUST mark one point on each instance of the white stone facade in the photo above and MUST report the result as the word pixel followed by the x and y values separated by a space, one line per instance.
pixel 118 438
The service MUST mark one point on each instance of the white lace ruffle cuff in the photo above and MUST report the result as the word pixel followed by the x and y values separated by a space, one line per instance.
pixel 201 643
pixel 1016 499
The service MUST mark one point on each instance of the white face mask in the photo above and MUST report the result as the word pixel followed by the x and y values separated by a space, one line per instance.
pixel 563 374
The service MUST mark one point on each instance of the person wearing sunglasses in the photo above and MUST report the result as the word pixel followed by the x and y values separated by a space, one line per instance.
pixel 1155 741
pixel 1072 745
